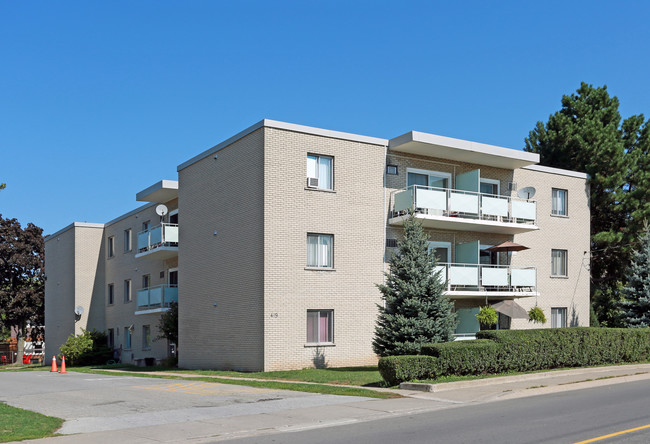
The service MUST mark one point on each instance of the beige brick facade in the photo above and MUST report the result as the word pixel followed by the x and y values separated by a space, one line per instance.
pixel 245 287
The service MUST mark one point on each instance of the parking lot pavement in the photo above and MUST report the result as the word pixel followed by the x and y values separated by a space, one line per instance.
pixel 92 403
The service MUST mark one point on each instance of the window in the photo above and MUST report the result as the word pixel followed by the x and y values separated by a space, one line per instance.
pixel 127 338
pixel 173 217
pixel 490 186
pixel 111 338
pixel 127 240
pixel 320 172
pixel 559 202
pixel 391 170
pixel 146 280
pixel 558 263
pixel 146 337
pixel 435 179
pixel 320 325
pixel 110 297
pixel 319 250
pixel 146 225
pixel 111 246
pixel 127 290
pixel 558 317
pixel 441 250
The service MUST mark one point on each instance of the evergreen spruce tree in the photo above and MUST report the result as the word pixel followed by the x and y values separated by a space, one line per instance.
pixel 636 295
pixel 416 311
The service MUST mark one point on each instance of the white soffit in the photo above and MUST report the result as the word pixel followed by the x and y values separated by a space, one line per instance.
pixel 160 192
pixel 430 145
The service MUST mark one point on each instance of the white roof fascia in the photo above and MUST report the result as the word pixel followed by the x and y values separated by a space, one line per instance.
pixel 460 150
pixel 158 186
pixel 285 126
pixel 71 226
pixel 558 171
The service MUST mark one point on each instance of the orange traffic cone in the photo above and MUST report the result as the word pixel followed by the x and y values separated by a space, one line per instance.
pixel 53 364
pixel 63 370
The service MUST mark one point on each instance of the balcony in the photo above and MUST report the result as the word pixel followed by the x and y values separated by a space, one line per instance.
pixel 459 210
pixel 156 299
pixel 159 242
pixel 488 281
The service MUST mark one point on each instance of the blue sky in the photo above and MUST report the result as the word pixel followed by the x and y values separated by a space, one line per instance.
pixel 99 100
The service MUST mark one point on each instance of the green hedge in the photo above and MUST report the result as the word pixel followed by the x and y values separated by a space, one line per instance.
pixel 523 350
pixel 464 357
pixel 497 351
pixel 396 369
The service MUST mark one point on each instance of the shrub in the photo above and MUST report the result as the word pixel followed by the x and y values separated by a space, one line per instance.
pixel 465 357
pixel 536 315
pixel 88 348
pixel 396 369
pixel 487 316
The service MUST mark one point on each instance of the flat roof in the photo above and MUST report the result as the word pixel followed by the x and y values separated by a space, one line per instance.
pixel 285 126
pixel 159 192
pixel 558 171
pixel 459 150
pixel 73 225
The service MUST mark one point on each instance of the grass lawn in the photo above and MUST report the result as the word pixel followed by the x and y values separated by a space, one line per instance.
pixel 18 424
pixel 307 375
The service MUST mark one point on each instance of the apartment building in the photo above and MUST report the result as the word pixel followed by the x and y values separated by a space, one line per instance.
pixel 273 241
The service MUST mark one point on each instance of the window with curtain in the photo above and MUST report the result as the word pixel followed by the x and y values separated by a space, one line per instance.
pixel 321 168
pixel 558 262
pixel 319 250
pixel 559 202
pixel 558 317
pixel 127 240
pixel 320 325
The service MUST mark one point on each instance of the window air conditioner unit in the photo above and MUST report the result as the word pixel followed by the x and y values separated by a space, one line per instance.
pixel 312 182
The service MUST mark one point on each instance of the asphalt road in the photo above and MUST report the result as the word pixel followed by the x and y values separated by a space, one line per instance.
pixel 565 417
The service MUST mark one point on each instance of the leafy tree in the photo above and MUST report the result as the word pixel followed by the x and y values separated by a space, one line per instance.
pixel 168 324
pixel 588 135
pixel 3 186
pixel 21 277
pixel 636 295
pixel 416 311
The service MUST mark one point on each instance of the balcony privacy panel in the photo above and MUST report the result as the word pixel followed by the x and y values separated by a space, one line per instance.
pixel 171 295
pixel 493 206
pixel 143 240
pixel 155 296
pixel 143 297
pixel 494 276
pixel 523 278
pixel 464 203
pixel 523 209
pixel 403 201
pixel 463 275
pixel 470 181
pixel 171 234
pixel 468 253
pixel 155 235
pixel 431 199
pixel 467 322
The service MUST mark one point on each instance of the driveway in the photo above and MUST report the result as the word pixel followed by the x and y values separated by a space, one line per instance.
pixel 92 403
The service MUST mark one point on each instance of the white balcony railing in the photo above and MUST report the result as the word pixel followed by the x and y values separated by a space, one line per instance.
pixel 163 235
pixel 448 202
pixel 488 278
pixel 157 297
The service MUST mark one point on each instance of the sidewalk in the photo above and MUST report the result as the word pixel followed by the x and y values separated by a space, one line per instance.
pixel 443 396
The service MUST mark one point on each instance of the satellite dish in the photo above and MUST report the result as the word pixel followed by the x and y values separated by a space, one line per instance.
pixel 161 210
pixel 79 310
pixel 526 192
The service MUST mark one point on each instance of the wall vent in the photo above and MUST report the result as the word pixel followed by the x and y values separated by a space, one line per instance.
pixel 391 243
pixel 312 182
